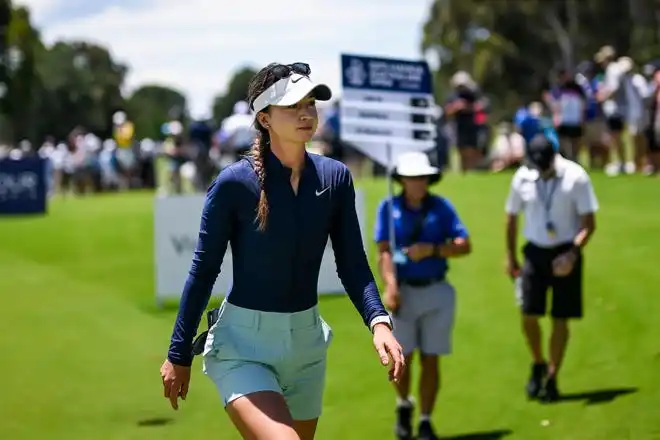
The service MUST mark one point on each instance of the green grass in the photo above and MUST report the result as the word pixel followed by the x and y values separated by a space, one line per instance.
pixel 81 341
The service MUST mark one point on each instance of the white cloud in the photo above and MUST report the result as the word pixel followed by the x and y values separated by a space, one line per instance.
pixel 195 45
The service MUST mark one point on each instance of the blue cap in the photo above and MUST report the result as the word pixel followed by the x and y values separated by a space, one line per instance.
pixel 551 135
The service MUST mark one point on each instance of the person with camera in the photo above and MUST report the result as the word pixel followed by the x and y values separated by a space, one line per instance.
pixel 416 233
pixel 558 204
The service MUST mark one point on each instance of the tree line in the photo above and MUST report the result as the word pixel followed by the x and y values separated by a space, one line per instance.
pixel 509 46
pixel 48 90
pixel 512 47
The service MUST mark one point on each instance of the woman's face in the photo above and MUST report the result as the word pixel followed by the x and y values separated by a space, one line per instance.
pixel 415 187
pixel 294 124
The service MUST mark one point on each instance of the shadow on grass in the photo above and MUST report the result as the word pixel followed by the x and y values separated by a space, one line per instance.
pixel 597 397
pixel 156 421
pixel 484 435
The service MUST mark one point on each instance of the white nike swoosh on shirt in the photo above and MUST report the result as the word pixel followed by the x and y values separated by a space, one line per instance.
pixel 318 193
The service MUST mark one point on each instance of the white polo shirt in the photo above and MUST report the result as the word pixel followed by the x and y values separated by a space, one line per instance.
pixel 572 197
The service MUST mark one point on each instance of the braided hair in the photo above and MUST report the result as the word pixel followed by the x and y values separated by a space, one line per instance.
pixel 261 146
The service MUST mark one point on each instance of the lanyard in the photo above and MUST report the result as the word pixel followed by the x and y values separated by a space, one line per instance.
pixel 547 194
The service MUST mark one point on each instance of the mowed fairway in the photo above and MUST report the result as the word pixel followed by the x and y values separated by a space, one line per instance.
pixel 81 341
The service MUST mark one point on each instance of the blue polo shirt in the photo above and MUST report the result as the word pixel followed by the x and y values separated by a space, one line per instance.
pixel 441 225
pixel 276 270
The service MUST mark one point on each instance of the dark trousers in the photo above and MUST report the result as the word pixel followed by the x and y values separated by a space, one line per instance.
pixel 537 279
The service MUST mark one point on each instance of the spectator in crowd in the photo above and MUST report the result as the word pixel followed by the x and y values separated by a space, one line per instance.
pixel 147 164
pixel 568 114
pixel 80 178
pixel 442 140
pixel 237 134
pixel 612 96
pixel 413 264
pixel 124 133
pixel 653 129
pixel 508 149
pixel 595 127
pixel 481 119
pixel 330 132
pixel 110 177
pixel 636 116
pixel 92 147
pixel 340 150
pixel 462 106
pixel 175 151
pixel 201 135
pixel 558 203
pixel 46 152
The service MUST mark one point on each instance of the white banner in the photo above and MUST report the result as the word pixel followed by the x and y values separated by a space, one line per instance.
pixel 176 225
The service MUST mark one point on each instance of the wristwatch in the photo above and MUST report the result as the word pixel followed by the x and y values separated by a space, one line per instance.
pixel 383 319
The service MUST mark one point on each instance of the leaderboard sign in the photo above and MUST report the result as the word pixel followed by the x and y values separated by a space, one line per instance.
pixel 387 102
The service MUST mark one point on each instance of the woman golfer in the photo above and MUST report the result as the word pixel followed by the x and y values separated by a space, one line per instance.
pixel 266 352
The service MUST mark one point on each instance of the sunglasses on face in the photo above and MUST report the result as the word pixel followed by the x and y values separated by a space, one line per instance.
pixel 283 70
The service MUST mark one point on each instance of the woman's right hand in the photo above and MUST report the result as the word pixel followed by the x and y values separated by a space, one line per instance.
pixel 391 298
pixel 176 379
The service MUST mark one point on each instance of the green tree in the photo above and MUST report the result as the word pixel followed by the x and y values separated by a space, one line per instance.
pixel 150 106
pixel 512 46
pixel 81 86
pixel 5 18
pixel 23 46
pixel 223 105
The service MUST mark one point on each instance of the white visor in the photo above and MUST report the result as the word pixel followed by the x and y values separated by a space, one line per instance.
pixel 289 91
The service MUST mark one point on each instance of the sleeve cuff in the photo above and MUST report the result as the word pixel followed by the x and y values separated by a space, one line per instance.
pixel 383 319
pixel 184 361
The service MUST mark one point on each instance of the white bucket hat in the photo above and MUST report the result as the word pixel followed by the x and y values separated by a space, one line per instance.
pixel 462 78
pixel 290 90
pixel 416 164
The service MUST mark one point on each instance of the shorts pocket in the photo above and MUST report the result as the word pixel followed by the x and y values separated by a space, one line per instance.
pixel 328 334
pixel 311 344
pixel 225 342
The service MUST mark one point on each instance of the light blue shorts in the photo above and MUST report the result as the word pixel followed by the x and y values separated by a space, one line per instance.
pixel 248 351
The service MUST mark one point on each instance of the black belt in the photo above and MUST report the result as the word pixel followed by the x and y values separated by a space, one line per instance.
pixel 421 282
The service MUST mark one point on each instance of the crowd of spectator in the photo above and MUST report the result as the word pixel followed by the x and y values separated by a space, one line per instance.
pixel 595 108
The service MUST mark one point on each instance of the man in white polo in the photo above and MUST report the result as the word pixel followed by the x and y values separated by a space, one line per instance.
pixel 558 203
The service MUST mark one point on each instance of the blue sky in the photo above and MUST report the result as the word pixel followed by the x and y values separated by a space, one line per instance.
pixel 195 45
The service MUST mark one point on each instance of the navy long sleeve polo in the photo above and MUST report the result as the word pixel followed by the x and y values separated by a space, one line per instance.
pixel 276 270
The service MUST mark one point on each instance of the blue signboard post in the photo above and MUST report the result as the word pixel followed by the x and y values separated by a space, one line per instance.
pixel 387 108
pixel 23 186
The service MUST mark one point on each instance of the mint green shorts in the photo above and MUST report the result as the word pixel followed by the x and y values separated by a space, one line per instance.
pixel 248 351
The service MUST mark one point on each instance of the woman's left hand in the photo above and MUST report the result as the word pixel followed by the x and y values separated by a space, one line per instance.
pixel 389 350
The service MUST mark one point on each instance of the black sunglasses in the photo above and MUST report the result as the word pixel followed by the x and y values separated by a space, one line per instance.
pixel 283 70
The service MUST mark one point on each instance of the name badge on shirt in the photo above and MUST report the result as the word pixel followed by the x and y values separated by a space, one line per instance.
pixel 550 229
pixel 399 257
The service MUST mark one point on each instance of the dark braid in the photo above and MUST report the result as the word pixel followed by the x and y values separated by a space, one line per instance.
pixel 259 150
pixel 261 146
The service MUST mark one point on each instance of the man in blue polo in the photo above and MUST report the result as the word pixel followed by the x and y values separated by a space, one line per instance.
pixel 413 265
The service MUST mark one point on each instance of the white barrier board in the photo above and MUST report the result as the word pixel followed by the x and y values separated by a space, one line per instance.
pixel 176 225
